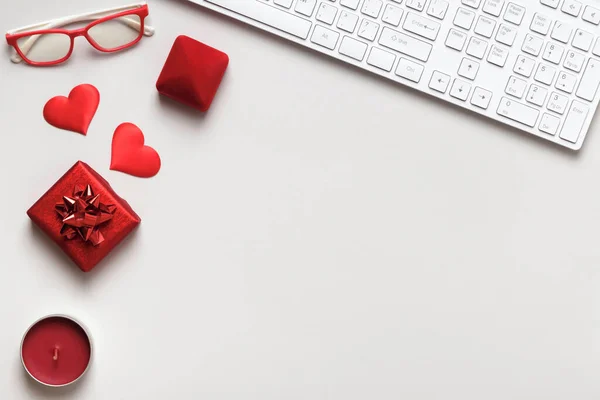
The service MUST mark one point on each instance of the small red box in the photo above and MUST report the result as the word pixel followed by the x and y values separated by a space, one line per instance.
pixel 111 230
pixel 192 73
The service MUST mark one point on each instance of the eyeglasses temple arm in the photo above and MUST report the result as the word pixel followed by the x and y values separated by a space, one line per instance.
pixel 133 24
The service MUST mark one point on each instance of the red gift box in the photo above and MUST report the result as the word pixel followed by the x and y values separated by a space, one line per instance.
pixel 192 73
pixel 84 216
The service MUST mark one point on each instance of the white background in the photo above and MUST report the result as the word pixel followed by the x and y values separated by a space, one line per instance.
pixel 320 233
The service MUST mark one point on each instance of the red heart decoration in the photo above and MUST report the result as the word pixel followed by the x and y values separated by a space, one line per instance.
pixel 129 155
pixel 73 113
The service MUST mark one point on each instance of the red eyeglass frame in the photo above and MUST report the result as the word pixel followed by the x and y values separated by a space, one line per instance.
pixel 141 11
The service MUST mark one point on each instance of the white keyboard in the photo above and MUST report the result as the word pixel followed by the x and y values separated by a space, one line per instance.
pixel 530 64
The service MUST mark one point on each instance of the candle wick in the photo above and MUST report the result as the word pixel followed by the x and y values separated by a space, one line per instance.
pixel 55 358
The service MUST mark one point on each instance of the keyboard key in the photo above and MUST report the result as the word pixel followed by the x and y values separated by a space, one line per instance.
pixel 268 15
pixel 498 55
pixel 347 21
pixel 574 61
pixel 532 45
pixel 464 18
pixel 551 3
pixel 456 39
pixel 549 124
pixel 506 34
pixel 418 5
pixel 460 90
pixel 472 3
pixel 326 13
pixel 558 103
pixel 305 7
pixel 591 15
pixel 409 70
pixel 553 53
pixel 571 7
pixel 421 26
pixel 537 95
pixel 566 82
pixel 516 87
pixel 524 66
pixel 439 82
pixel 583 40
pixel 353 48
pixel 368 29
pixel 477 48
pixel 545 74
pixel 324 37
pixel 518 112
pixel 590 81
pixel 372 8
pixel 381 59
pixel 392 15
pixel 493 7
pixel 283 3
pixel 353 4
pixel 438 9
pixel 514 13
pixel 485 26
pixel 574 122
pixel 540 24
pixel 596 49
pixel 481 98
pixel 405 44
pixel 561 32
pixel 468 69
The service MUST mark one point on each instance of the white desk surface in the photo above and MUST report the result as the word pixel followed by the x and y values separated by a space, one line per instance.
pixel 319 234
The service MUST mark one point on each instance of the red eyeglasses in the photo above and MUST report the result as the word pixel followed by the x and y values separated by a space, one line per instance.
pixel 111 30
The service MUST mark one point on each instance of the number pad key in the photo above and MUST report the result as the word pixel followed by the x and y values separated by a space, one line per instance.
pixel 516 87
pixel 540 24
pixel 553 53
pixel 558 103
pixel 566 82
pixel 524 66
pixel 537 95
pixel 574 61
pixel 561 32
pixel 532 45
pixel 549 124
pixel 545 74
pixel 583 40
pixel 368 29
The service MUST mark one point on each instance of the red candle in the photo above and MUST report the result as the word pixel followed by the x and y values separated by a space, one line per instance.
pixel 56 350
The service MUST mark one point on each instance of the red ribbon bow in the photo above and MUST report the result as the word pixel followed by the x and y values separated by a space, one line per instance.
pixel 82 215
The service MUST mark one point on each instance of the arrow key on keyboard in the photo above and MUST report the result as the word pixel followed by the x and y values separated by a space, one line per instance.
pixel 481 98
pixel 439 82
pixel 468 69
pixel 460 90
